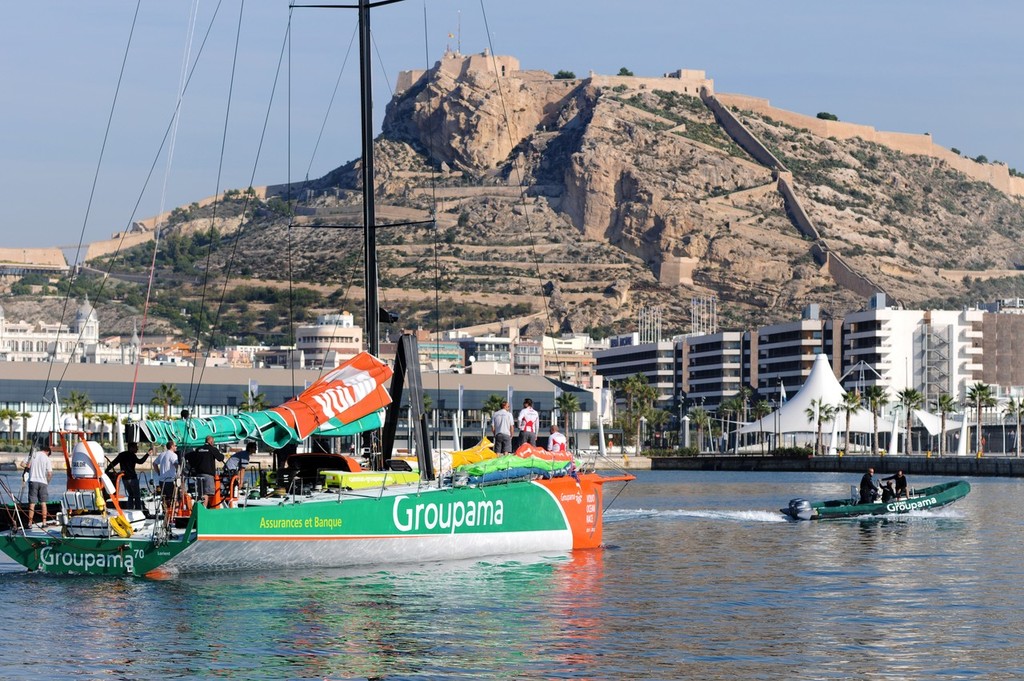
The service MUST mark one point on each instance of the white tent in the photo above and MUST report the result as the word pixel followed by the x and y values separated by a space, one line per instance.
pixel 822 385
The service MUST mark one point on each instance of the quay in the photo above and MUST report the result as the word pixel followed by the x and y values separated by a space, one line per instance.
pixel 953 466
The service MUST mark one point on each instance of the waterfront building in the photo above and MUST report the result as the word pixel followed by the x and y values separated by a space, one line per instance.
pixel 714 367
pixel 785 353
pixel 570 359
pixel 626 356
pixel 933 351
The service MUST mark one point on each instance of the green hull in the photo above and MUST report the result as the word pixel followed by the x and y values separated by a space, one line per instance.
pixel 112 557
pixel 923 499
pixel 356 528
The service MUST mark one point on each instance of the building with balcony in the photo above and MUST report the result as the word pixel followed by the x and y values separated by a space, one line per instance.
pixel 332 340
pixel 786 352
pixel 626 356
pixel 714 367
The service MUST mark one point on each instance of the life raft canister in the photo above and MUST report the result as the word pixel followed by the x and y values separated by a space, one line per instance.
pixel 85 464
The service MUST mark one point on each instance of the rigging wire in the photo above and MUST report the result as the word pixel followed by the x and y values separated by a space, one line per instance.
pixel 176 118
pixel 193 386
pixel 88 209
pixel 330 105
pixel 522 189
pixel 145 183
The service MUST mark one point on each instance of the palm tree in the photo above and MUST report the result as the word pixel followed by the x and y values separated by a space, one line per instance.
pixel 817 414
pixel 9 415
pixel 877 398
pixel 568 404
pixel 166 395
pixel 851 404
pixel 910 399
pixel 1015 410
pixel 745 394
pixel 493 403
pixel 250 402
pixel 24 416
pixel 761 409
pixel 702 420
pixel 731 407
pixel 640 398
pixel 79 403
pixel 945 405
pixel 979 396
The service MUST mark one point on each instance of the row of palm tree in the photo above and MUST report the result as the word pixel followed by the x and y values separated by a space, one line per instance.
pixel 9 415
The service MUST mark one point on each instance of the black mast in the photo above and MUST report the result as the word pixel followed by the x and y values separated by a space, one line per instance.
pixel 369 216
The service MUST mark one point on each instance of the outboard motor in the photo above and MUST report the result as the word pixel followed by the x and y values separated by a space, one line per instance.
pixel 800 509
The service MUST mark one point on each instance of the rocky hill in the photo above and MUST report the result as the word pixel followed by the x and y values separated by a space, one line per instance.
pixel 576 202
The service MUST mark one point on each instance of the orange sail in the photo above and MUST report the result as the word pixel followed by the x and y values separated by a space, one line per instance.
pixel 350 392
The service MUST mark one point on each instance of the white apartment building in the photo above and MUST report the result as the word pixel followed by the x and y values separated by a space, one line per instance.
pixel 933 351
pixel 332 340
pixel 785 353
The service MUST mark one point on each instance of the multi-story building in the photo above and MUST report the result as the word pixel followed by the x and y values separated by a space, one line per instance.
pixel 527 357
pixel 713 366
pixel 626 356
pixel 332 340
pixel 78 342
pixel 570 359
pixel 785 352
pixel 933 351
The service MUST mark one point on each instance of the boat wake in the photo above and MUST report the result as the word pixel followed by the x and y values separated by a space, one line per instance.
pixel 620 515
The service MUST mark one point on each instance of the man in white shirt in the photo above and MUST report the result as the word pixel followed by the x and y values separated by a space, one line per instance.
pixel 166 466
pixel 39 470
pixel 556 440
pixel 501 428
pixel 528 422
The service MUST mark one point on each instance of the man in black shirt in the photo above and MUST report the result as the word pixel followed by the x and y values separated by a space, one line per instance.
pixel 204 466
pixel 901 484
pixel 128 460
pixel 868 487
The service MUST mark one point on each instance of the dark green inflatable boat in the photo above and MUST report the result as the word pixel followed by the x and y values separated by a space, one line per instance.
pixel 920 500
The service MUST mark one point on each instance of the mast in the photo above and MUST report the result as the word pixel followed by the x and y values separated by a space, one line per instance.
pixel 369 216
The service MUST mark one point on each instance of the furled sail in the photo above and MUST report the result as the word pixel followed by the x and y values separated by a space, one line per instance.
pixel 347 400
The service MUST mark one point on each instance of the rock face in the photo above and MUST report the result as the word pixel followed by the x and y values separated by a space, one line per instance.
pixel 625 194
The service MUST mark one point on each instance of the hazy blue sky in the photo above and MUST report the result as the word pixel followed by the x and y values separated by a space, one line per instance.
pixel 947 67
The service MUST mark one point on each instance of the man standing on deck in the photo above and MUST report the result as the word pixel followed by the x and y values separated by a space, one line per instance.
pixel 128 460
pixel 528 420
pixel 204 466
pixel 166 466
pixel 501 428
pixel 39 470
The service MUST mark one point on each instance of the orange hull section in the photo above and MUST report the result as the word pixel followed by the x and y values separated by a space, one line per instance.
pixel 582 503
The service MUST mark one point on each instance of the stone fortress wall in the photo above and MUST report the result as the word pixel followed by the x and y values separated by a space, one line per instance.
pixel 996 174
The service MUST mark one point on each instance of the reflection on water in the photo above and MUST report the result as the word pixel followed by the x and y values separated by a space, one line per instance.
pixel 701 578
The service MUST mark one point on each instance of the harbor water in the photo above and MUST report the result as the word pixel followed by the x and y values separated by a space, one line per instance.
pixel 702 577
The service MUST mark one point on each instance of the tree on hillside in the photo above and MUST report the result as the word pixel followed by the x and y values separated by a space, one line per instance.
pixel 565 75
pixel 826 116
pixel 625 72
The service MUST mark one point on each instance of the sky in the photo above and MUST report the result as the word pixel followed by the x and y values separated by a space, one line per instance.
pixel 946 67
